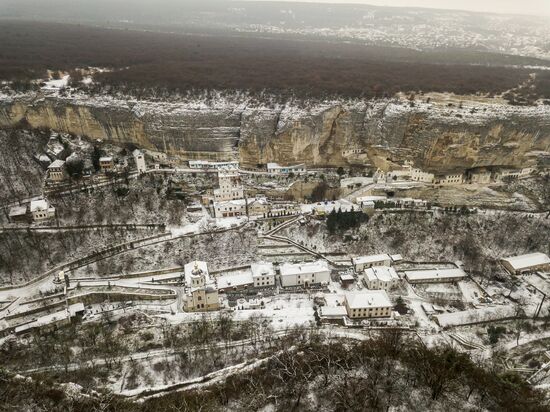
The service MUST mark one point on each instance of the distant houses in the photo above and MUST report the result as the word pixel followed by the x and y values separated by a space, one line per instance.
pixel 277 169
pixel 478 175
pixel 208 165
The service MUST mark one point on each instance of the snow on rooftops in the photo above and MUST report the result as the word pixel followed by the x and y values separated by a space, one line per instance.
pixel 368 299
pixel 361 260
pixel 381 273
pixel 434 275
pixel 364 199
pixel 396 258
pixel 194 268
pixel 106 159
pixel 40 204
pixel 56 164
pixel 332 311
pixel 18 211
pixel 262 269
pixel 527 261
pixel 290 269
pixel 235 280
pixel 475 315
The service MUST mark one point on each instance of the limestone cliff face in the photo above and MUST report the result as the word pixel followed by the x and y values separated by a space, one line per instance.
pixel 335 134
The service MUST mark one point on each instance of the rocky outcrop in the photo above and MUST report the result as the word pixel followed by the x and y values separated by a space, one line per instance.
pixel 332 134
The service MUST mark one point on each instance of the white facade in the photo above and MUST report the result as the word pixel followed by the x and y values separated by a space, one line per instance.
pixel 263 274
pixel 526 263
pixel 450 179
pixel 420 176
pixel 363 262
pixel 56 171
pixel 368 304
pixel 139 158
pixel 202 294
pixel 481 177
pixel 304 274
pixel 106 164
pixel 41 210
pixel 236 281
pixel 435 275
pixel 229 187
pixel 275 168
pixel 381 277
pixel 507 174
pixel 207 165
pixel 232 208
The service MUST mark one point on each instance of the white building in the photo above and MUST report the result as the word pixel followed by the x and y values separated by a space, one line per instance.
pixel 139 158
pixel 420 176
pixel 304 274
pixel 237 281
pixel 368 304
pixel 362 262
pixel 449 179
pixel 106 164
pixel 41 210
pixel 207 165
pixel 231 208
pixel 263 274
pixel 202 294
pixel 531 262
pixel 276 169
pixel 381 277
pixel 435 275
pixel 18 214
pixel 480 176
pixel 229 187
pixel 56 171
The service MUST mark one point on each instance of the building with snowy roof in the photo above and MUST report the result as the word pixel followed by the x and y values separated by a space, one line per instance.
pixel 234 282
pixel 40 210
pixel 435 275
pixel 203 294
pixel 229 187
pixel 531 262
pixel 363 262
pixel 368 304
pixel 263 274
pixel 304 274
pixel 106 164
pixel 56 171
pixel 380 277
pixel 231 208
pixel 19 214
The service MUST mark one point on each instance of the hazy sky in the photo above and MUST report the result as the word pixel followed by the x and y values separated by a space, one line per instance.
pixel 536 7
